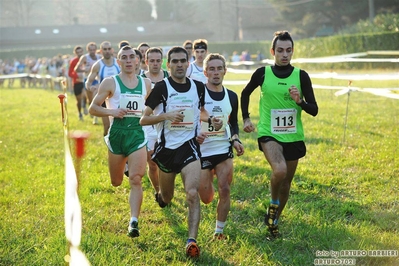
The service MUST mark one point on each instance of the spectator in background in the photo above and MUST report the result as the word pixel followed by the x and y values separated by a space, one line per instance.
pixel 65 70
pixel 53 72
pixel 259 56
pixel 9 69
pixel 245 57
pixel 21 69
pixel 1 72
pixel 59 64
pixel 235 57
pixel 43 71
pixel 33 67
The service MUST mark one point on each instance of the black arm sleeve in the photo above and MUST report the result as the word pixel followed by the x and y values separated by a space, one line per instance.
pixel 256 80
pixel 201 92
pixel 309 105
pixel 233 120
pixel 158 95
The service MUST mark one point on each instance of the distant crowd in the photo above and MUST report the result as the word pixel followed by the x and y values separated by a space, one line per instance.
pixel 48 69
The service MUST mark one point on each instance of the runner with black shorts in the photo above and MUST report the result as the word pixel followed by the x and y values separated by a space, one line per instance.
pixel 176 106
pixel 284 89
pixel 217 147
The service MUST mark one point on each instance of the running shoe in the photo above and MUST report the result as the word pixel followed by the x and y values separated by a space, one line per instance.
pixel 192 249
pixel 274 232
pixel 133 230
pixel 220 236
pixel 270 220
pixel 80 117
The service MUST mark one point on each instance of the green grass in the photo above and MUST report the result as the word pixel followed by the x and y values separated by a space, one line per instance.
pixel 344 194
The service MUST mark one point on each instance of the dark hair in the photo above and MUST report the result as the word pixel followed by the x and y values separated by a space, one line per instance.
pixel 187 42
pixel 123 43
pixel 153 50
pixel 200 44
pixel 282 36
pixel 214 56
pixel 124 48
pixel 91 44
pixel 77 47
pixel 175 50
pixel 104 43
pixel 142 44
pixel 137 51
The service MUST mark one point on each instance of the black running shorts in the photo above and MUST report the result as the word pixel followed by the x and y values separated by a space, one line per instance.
pixel 169 160
pixel 210 162
pixel 78 88
pixel 291 150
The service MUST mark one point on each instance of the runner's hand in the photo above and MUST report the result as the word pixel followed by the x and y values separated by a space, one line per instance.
pixel 248 126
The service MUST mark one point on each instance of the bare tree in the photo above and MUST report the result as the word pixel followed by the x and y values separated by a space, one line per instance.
pixel 107 11
pixel 17 12
pixel 70 12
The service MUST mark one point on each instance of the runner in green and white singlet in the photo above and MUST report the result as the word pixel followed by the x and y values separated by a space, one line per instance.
pixel 125 94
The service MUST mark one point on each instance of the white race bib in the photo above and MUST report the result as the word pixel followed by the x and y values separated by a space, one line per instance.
pixel 283 121
pixel 133 103
pixel 210 131
pixel 188 121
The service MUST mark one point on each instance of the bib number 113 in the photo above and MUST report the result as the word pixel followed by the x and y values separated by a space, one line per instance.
pixel 283 121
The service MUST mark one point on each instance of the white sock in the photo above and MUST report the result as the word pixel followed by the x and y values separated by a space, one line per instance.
pixel 134 219
pixel 219 227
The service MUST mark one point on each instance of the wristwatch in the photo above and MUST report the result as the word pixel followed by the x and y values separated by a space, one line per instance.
pixel 210 119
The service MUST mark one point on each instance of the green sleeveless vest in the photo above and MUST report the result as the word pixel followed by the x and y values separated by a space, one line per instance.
pixel 280 116
pixel 129 122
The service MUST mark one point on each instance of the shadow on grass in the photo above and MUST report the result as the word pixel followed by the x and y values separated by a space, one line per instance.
pixel 316 218
pixel 320 141
pixel 173 220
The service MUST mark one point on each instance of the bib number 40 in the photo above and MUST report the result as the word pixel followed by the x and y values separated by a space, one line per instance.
pixel 132 105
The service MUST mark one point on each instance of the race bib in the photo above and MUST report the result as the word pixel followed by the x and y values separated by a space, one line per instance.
pixel 283 121
pixel 133 103
pixel 188 121
pixel 210 130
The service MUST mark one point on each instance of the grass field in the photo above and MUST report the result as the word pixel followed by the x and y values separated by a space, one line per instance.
pixel 345 194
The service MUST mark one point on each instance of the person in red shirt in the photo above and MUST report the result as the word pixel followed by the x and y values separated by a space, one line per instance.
pixel 77 80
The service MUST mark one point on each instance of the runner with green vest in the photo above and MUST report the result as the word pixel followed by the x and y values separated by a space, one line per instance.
pixel 285 92
pixel 124 95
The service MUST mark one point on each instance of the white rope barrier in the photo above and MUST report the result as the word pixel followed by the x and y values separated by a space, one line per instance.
pixel 26 75
pixel 73 213
pixel 334 75
pixel 72 208
pixel 344 58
